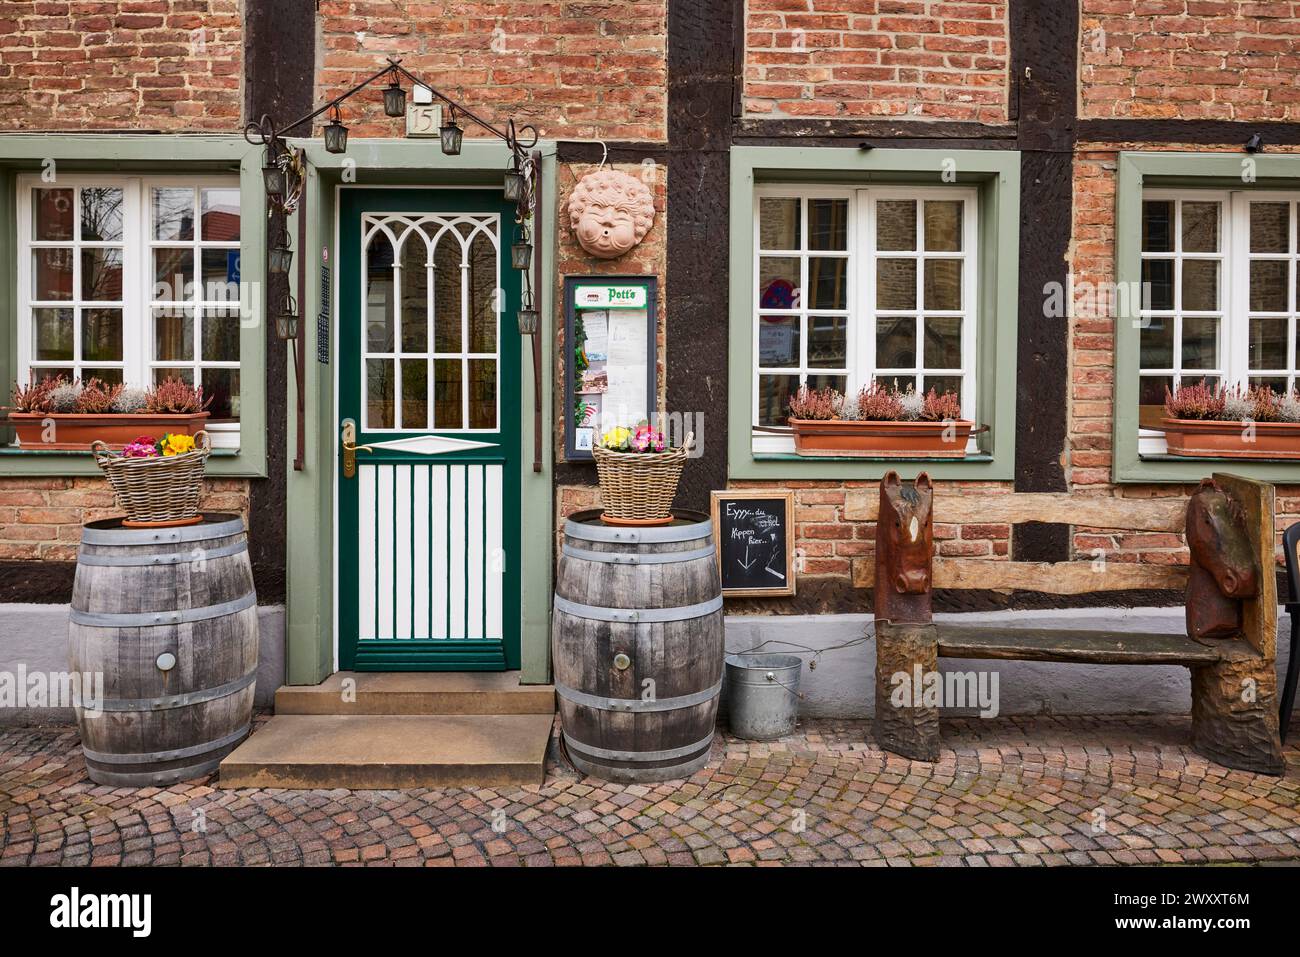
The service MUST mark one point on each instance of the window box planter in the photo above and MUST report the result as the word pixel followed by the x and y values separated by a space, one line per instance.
pixel 836 437
pixel 1212 438
pixel 73 432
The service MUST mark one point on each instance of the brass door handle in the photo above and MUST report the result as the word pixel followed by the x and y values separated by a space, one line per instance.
pixel 350 448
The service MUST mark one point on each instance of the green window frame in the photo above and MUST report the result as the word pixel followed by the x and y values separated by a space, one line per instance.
pixel 994 176
pixel 199 156
pixel 1175 174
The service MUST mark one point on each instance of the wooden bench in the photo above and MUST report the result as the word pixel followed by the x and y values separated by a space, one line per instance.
pixel 1231 597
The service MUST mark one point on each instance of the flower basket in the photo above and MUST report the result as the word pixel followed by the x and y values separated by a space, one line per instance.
pixel 836 437
pixel 637 488
pixel 1227 439
pixel 163 490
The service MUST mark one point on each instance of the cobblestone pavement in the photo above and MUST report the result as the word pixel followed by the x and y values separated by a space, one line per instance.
pixel 1006 792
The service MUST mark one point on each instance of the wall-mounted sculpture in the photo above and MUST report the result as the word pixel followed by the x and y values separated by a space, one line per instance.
pixel 1223 568
pixel 610 212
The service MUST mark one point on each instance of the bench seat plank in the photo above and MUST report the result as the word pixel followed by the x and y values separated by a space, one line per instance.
pixel 1068 645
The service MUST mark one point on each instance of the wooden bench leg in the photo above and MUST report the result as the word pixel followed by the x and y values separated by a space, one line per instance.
pixel 1234 715
pixel 906 728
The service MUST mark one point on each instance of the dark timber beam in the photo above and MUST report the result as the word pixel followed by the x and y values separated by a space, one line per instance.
pixel 280 62
pixel 1192 132
pixel 1044 55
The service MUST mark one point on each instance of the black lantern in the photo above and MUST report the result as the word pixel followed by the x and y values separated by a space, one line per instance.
pixel 336 134
pixel 527 321
pixel 286 320
pixel 521 254
pixel 451 135
pixel 394 99
pixel 514 185
pixel 280 257
pixel 274 179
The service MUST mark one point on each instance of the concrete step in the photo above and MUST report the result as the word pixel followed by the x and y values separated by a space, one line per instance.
pixel 391 751
pixel 417 692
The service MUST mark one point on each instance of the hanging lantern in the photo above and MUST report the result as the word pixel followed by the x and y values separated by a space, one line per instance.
pixel 336 134
pixel 521 254
pixel 280 257
pixel 514 185
pixel 527 321
pixel 286 320
pixel 394 99
pixel 274 180
pixel 451 136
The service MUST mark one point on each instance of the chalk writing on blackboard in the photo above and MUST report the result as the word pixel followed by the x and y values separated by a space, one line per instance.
pixel 753 542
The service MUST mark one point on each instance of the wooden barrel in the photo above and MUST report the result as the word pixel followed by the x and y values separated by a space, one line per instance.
pixel 168 617
pixel 638 646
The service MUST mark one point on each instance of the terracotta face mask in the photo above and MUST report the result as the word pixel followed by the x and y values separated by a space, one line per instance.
pixel 606 231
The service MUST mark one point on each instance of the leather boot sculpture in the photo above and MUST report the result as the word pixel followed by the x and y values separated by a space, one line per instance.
pixel 905 635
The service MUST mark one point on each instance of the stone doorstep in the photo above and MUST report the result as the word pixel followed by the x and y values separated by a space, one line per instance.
pixel 418 693
pixel 391 751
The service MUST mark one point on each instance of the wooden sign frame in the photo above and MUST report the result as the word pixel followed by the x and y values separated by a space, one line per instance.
pixel 732 495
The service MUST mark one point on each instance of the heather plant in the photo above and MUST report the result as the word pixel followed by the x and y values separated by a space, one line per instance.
pixel 97 397
pixel 1198 401
pixel 941 407
pixel 879 403
pixel 35 396
pixel 1205 402
pixel 875 403
pixel 65 396
pixel 814 403
pixel 175 397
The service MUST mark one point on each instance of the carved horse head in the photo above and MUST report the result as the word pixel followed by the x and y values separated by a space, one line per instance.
pixel 904 547
pixel 1224 568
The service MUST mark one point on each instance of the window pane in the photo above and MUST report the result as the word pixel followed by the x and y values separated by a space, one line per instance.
pixel 53 330
pixel 379 393
pixel 182 374
pixel 1200 227
pixel 415 299
pixel 1151 399
pixel 778 223
pixel 774 393
pixel 942 384
pixel 1268 285
pixel 896 224
pixel 379 295
pixel 173 330
pixel 828 224
pixel 897 381
pixel 1200 285
pixel 220 335
pixel 943 225
pixel 51 274
pixel 220 212
pixel 109 376
pixel 778 283
pixel 1157 343
pixel 943 342
pixel 896 343
pixel 828 282
pixel 824 381
pixel 447 412
pixel 173 274
pixel 173 213
pixel 415 393
pixel 895 283
pixel 101 274
pixel 101 335
pixel 482 297
pixel 1158 226
pixel 482 393
pixel 102 209
pixel 51 214
pixel 827 342
pixel 446 305
pixel 220 275
pixel 1267 343
pixel 1158 284
pixel 778 341
pixel 1200 343
pixel 1269 227
pixel 1276 383
pixel 943 283
pixel 222 387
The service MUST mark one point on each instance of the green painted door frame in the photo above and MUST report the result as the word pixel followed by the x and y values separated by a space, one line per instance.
pixel 312 597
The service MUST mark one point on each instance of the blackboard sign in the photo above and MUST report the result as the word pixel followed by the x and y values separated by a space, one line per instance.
pixel 752 532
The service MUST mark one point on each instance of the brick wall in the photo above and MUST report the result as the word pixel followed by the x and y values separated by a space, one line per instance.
pixel 172 65
pixel 1190 59
pixel 863 58
pixel 41 518
pixel 574 69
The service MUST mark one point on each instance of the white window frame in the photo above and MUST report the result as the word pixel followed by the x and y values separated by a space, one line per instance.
pixel 137 245
pixel 1234 290
pixel 861 291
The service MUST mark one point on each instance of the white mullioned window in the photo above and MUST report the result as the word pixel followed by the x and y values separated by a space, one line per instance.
pixel 1218 296
pixel 132 279
pixel 855 285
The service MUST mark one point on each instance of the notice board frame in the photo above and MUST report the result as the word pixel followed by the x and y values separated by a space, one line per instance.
pixel 571 284
pixel 780 591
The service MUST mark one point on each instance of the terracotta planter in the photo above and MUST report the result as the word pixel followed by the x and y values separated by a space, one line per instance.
pixel 1212 439
pixel 881 439
pixel 73 432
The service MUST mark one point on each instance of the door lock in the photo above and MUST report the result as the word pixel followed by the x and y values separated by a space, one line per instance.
pixel 350 448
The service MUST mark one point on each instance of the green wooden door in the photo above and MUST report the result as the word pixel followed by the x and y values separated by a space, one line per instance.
pixel 429 373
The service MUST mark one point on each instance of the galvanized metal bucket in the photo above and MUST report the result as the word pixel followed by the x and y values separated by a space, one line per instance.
pixel 763 695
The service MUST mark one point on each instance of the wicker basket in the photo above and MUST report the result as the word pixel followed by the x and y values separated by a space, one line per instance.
pixel 637 488
pixel 157 491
